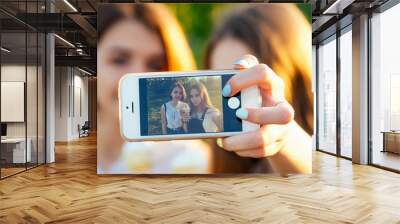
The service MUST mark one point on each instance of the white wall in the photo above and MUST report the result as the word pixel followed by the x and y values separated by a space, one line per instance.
pixel 81 100
pixel 33 126
pixel 13 100
pixel 61 104
pixel 71 94
pixel 12 73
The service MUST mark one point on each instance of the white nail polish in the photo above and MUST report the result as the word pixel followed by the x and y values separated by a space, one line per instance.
pixel 242 62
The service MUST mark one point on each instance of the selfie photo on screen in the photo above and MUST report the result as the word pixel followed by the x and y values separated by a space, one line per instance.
pixel 184 105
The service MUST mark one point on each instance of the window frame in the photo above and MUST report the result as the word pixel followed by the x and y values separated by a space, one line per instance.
pixel 334 37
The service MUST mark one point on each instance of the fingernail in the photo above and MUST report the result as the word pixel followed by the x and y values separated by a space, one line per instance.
pixel 242 113
pixel 226 91
pixel 241 62
pixel 219 142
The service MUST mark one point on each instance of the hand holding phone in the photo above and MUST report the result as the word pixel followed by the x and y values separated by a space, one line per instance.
pixel 278 131
pixel 186 105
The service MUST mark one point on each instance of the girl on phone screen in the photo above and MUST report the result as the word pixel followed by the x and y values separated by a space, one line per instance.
pixel 171 120
pixel 203 116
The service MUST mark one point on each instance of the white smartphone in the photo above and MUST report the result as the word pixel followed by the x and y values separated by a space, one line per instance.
pixel 182 105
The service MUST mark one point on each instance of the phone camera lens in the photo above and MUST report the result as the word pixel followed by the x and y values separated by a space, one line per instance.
pixel 127 107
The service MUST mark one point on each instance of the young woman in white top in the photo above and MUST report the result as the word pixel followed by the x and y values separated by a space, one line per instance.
pixel 204 117
pixel 171 119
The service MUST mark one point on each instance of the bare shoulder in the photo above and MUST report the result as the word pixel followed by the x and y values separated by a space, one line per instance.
pixel 212 111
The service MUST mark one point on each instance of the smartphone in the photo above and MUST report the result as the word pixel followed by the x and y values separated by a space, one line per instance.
pixel 182 105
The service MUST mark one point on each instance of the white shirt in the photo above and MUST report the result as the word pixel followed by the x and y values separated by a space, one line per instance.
pixel 169 157
pixel 173 115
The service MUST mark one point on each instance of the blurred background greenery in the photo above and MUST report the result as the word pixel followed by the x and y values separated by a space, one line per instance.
pixel 198 20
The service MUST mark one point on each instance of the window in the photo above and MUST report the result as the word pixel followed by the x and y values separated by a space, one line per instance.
pixel 346 93
pixel 327 96
pixel 385 89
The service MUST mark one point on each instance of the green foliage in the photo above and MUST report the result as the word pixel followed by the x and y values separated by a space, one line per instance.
pixel 198 21
pixel 306 9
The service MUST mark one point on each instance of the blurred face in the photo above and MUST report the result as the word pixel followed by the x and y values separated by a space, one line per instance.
pixel 195 97
pixel 226 52
pixel 126 47
pixel 177 94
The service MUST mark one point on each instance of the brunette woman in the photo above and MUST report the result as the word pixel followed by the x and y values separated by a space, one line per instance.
pixel 271 44
pixel 204 117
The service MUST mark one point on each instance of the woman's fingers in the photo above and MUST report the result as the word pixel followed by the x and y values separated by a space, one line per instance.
pixel 247 140
pixel 245 61
pixel 258 75
pixel 253 153
pixel 252 144
pixel 261 152
pixel 281 113
pixel 267 140
pixel 251 140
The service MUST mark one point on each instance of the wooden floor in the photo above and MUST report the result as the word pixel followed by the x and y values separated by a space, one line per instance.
pixel 5 172
pixel 69 191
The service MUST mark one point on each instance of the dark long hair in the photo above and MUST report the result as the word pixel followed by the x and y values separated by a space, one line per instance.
pixel 180 86
pixel 279 36
pixel 205 97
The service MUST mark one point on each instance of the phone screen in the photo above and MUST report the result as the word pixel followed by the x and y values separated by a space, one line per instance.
pixel 187 105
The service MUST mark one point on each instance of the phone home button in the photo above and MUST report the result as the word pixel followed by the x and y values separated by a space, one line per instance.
pixel 233 103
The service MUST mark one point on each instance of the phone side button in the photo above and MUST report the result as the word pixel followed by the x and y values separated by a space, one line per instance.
pixel 233 103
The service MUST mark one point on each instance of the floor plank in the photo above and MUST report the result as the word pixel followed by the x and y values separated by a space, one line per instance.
pixel 70 191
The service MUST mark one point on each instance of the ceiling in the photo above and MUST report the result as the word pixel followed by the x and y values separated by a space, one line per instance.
pixel 75 22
